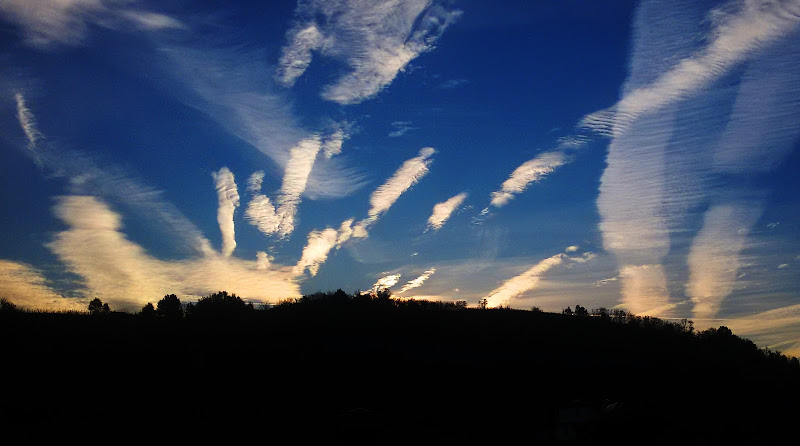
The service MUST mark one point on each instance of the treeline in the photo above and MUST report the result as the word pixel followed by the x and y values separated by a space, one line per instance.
pixel 355 368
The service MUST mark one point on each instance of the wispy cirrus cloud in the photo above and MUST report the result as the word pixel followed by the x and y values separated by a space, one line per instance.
pixel 280 217
pixel 228 196
pixel 739 35
pixel 442 211
pixel 527 173
pixel 524 282
pixel 406 176
pixel 88 177
pixel 26 287
pixel 694 121
pixel 230 86
pixel 385 282
pixel 320 243
pixel 416 283
pixel 530 279
pixel 376 40
pixel 127 277
pixel 401 128
pixel 45 23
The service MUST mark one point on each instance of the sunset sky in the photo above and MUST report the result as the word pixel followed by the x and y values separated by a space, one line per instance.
pixel 632 154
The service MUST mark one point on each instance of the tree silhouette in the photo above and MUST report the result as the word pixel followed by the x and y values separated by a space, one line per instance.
pixel 170 307
pixel 221 304
pixel 148 310
pixel 96 306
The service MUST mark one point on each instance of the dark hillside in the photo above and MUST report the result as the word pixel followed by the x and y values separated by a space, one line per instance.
pixel 373 371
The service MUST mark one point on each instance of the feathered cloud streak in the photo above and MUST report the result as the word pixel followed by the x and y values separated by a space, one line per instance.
pixel 714 259
pixel 416 283
pixel 230 86
pixel 86 177
pixel 529 172
pixel 24 286
pixel 442 211
pixel 530 279
pixel 686 133
pixel 375 39
pixel 738 36
pixel 523 282
pixel 280 218
pixel 127 277
pixel 45 23
pixel 384 196
pixel 320 243
pixel 385 282
pixel 228 196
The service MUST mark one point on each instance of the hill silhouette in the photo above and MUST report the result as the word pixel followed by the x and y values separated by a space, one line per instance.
pixel 339 368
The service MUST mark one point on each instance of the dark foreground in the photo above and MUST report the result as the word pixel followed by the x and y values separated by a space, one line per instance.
pixel 347 374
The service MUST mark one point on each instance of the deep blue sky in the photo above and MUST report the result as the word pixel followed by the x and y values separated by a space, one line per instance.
pixel 632 154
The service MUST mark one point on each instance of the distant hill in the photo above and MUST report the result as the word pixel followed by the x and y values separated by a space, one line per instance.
pixel 336 368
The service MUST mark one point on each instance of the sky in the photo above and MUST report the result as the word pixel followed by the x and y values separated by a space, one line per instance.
pixel 626 154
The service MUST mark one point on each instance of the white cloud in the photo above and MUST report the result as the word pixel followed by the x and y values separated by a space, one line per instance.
pixel 316 251
pixel 738 37
pixel 25 287
pixel 87 177
pixel 442 211
pixel 255 181
pixel 376 40
pixel 385 282
pixel 260 213
pixel 228 196
pixel 384 197
pixel 280 217
pixel 523 282
pixel 122 274
pixel 783 265
pixel 296 57
pixel 687 132
pixel 416 283
pixel 401 128
pixel 529 172
pixel 28 123
pixel 45 23
pixel 232 88
pixel 644 289
pixel 572 248
pixel 714 259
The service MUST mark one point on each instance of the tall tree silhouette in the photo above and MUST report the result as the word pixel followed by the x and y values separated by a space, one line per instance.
pixel 170 307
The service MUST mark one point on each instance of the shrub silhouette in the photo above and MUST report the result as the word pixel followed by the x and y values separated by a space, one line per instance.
pixel 170 307
pixel 148 310
pixel 96 306
pixel 221 304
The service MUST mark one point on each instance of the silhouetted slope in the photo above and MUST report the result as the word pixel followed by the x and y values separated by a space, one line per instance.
pixel 348 371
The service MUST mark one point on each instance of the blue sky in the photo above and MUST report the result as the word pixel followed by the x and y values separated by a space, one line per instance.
pixel 620 154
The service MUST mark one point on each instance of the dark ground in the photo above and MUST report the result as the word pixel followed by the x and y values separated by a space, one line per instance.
pixel 348 374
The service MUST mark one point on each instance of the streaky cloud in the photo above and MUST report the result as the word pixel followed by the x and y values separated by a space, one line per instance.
pixel 376 40
pixel 385 196
pixel 529 172
pixel 87 177
pixel 228 197
pixel 26 287
pixel 125 276
pixel 385 283
pixel 442 211
pixel 416 283
pixel 48 23
pixel 737 37
pixel 524 282
pixel 316 251
pixel 714 258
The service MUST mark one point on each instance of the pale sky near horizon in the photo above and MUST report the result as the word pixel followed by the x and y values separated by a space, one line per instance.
pixel 633 154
